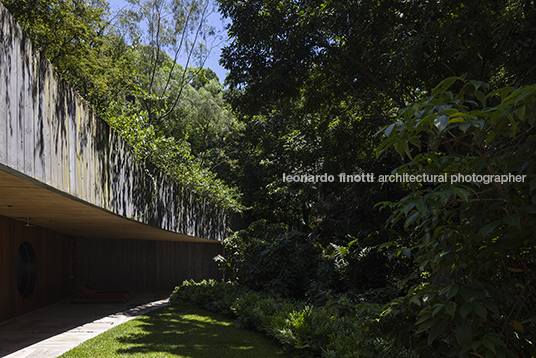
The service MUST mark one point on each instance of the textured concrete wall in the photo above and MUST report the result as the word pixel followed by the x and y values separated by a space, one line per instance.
pixel 50 134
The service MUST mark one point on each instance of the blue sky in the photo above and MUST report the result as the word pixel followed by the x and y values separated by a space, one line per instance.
pixel 212 61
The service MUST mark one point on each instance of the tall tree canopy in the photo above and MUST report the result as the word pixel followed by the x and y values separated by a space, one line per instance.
pixel 373 51
pixel 329 74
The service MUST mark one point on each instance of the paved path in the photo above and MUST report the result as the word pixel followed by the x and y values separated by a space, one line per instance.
pixel 53 330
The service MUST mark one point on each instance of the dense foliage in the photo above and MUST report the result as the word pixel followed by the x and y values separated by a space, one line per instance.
pixel 271 258
pixel 377 53
pixel 318 88
pixel 474 233
pixel 313 81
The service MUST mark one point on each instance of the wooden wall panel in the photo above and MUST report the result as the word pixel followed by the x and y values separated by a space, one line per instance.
pixel 53 268
pixel 5 273
pixel 143 265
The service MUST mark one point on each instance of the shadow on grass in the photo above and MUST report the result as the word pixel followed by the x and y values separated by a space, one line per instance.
pixel 186 331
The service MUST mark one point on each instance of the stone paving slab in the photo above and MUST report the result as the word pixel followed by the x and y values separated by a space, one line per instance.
pixel 53 330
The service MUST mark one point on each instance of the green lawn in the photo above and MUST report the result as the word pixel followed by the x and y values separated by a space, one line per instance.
pixel 178 331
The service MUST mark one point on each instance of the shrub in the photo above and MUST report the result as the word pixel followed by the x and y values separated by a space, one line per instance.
pixel 270 257
pixel 337 329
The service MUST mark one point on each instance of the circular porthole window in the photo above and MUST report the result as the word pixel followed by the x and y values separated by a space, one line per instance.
pixel 25 269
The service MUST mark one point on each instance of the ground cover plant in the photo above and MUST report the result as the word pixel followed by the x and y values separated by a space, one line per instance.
pixel 338 328
pixel 178 331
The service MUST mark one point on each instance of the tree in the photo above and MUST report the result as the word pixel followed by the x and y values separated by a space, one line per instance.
pixel 329 74
pixel 167 32
pixel 381 54
pixel 314 80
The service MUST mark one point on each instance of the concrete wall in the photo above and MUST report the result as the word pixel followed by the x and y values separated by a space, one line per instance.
pixel 53 267
pixel 50 134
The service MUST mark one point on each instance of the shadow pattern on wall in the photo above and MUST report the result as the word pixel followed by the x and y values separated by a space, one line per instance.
pixel 51 135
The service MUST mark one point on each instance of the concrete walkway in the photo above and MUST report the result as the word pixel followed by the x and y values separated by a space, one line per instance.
pixel 55 329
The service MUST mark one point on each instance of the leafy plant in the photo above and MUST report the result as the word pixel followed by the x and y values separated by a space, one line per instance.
pixel 336 329
pixel 269 257
pixel 474 233
pixel 170 156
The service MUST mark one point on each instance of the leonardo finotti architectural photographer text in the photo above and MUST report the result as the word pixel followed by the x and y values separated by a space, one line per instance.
pixel 405 178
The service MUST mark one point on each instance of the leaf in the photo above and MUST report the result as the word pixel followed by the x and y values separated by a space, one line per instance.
pixel 513 220
pixel 481 310
pixel 490 137
pixel 456 119
pixel 466 309
pixel 464 333
pixel 481 97
pixel 425 325
pixel 517 325
pixel 496 338
pixel 422 206
pixel 408 207
pixel 530 209
pixel 401 147
pixel 520 112
pixel 453 290
pixel 406 252
pixel 415 141
pixel 436 330
pixel 489 345
pixel 441 122
pixel 492 307
pixel 444 85
pixel 527 91
pixel 486 229
pixel 474 346
pixel 529 320
pixel 533 184
pixel 384 145
pixel 411 219
pixel 464 127
pixel 445 195
pixel 451 309
pixel 423 265
pixel 461 193
pixel 389 129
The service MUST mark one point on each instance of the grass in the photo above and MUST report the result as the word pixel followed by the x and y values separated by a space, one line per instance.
pixel 178 331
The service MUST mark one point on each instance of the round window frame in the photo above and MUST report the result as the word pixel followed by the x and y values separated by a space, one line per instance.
pixel 26 269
